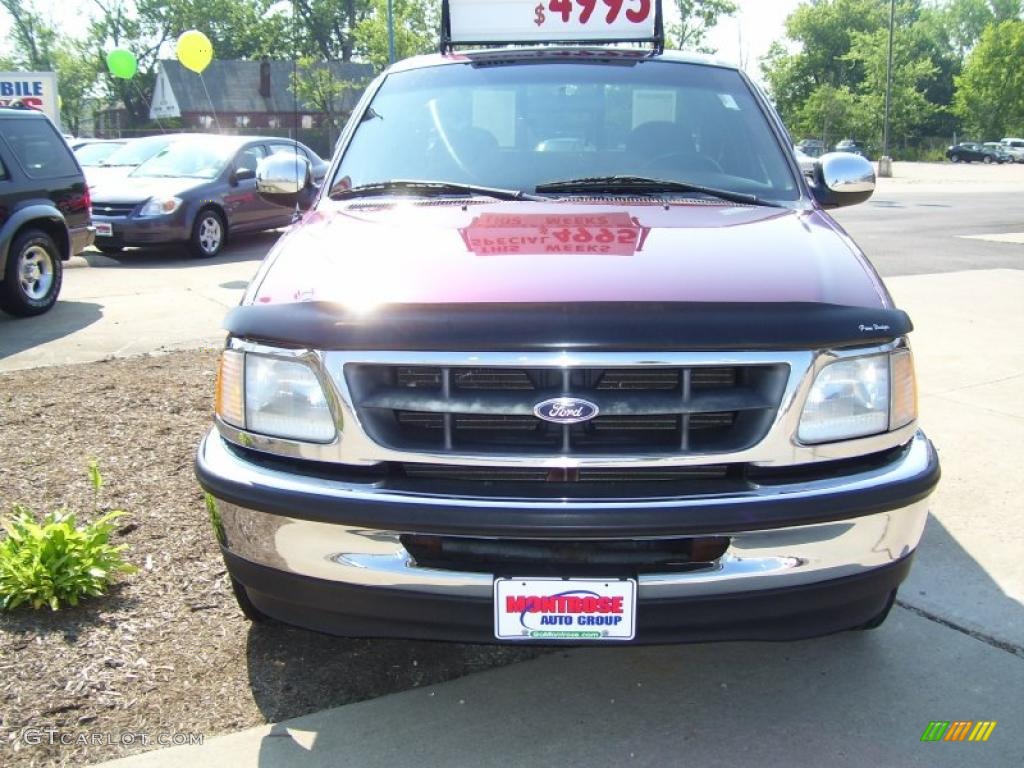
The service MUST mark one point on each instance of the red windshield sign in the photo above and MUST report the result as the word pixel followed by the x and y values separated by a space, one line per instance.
pixel 612 234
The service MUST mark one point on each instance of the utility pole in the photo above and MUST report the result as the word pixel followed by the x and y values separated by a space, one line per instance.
pixel 391 32
pixel 885 162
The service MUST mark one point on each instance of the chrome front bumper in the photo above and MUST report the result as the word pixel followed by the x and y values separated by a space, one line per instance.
pixel 755 560
pixel 337 543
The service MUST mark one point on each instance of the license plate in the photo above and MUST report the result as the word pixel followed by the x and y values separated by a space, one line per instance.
pixel 564 609
pixel 103 229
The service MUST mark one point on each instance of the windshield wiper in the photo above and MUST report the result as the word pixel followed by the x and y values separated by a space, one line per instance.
pixel 428 188
pixel 643 184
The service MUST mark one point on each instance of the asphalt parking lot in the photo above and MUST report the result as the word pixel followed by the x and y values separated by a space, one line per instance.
pixel 950 242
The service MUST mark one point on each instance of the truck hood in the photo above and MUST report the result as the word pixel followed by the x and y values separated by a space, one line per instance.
pixel 369 252
pixel 136 189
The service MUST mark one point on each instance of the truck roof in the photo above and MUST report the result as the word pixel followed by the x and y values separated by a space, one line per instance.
pixel 562 53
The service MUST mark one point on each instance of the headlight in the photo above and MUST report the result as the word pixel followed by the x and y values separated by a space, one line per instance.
pixel 273 396
pixel 859 397
pixel 160 206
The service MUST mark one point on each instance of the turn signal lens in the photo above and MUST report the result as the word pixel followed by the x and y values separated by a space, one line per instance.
pixel 904 389
pixel 230 398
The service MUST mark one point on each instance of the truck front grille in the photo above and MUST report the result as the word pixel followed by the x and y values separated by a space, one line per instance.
pixel 643 411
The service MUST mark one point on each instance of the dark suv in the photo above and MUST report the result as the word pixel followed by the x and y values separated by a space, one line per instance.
pixel 44 211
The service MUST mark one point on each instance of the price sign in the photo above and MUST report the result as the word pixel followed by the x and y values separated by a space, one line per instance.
pixel 539 21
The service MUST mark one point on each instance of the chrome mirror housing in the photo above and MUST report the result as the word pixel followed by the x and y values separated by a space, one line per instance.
pixel 842 178
pixel 285 179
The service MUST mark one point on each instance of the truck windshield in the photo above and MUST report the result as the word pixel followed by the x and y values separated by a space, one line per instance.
pixel 544 124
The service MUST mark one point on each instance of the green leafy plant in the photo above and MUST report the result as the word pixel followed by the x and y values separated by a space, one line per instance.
pixel 57 560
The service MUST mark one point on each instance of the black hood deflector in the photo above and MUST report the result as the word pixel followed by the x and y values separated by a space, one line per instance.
pixel 604 326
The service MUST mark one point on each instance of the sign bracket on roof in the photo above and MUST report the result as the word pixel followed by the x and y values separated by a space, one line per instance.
pixel 531 22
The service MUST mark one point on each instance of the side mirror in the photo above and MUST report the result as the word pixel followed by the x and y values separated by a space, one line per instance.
pixel 242 174
pixel 285 179
pixel 842 178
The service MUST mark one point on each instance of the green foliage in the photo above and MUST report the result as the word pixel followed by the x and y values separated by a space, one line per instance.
pixel 990 92
pixel 416 25
pixel 326 28
pixel 832 82
pixel 696 17
pixel 56 560
pixel 77 73
pixel 966 20
pixel 33 36
pixel 316 86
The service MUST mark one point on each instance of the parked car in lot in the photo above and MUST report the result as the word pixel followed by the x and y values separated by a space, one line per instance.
pixel 121 162
pixel 1001 153
pixel 199 189
pixel 1015 147
pixel 852 147
pixel 44 211
pixel 95 153
pixel 972 152
pixel 812 147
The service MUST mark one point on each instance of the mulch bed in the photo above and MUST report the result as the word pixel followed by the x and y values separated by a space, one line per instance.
pixel 167 651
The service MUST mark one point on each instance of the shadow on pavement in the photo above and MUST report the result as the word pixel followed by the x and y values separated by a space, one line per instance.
pixel 244 247
pixel 642 705
pixel 20 333
pixel 948 583
pixel 294 672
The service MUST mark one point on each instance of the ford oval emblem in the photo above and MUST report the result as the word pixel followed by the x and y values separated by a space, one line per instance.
pixel 566 410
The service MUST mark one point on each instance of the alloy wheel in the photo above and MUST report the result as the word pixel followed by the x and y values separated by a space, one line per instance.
pixel 36 272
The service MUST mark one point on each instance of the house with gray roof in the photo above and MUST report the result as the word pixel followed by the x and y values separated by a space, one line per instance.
pixel 250 97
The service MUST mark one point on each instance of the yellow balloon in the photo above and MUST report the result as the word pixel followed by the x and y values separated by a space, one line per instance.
pixel 195 50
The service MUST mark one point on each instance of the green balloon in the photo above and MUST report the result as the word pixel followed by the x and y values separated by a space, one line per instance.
pixel 122 63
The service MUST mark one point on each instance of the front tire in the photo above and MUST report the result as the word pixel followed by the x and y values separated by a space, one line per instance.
pixel 33 275
pixel 955 158
pixel 987 160
pixel 209 233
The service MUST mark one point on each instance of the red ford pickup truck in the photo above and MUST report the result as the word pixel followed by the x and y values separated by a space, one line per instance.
pixel 566 349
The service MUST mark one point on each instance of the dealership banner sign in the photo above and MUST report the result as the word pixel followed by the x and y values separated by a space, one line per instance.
pixel 37 90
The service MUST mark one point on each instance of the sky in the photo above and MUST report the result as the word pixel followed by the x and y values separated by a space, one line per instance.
pixel 757 24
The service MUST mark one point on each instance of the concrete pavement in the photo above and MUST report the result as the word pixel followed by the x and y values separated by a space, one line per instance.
pixel 144 301
pixel 849 700
pixel 953 648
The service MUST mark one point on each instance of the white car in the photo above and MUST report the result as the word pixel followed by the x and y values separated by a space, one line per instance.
pixel 1015 147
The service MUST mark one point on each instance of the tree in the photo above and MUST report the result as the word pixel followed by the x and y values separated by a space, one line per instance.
pixel 830 113
pixel 966 20
pixel 238 29
pixel 836 74
pixel 77 74
pixel 416 28
pixel 910 108
pixel 34 38
pixel 696 17
pixel 315 85
pixel 990 92
pixel 824 33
